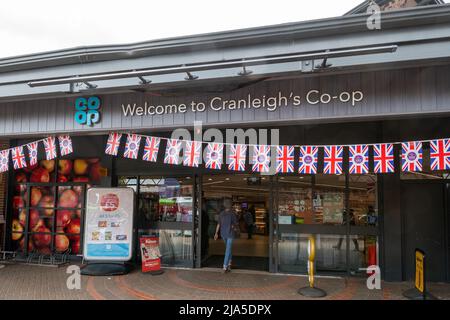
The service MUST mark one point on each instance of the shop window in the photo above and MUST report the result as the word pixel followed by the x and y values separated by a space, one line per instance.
pixel 175 246
pixel 363 252
pixel 295 204
pixel 49 203
pixel 363 200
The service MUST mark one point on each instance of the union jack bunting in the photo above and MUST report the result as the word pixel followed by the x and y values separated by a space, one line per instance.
pixel 132 146
pixel 359 159
pixel 261 158
pixel 113 143
pixel 214 156
pixel 192 153
pixel 383 158
pixel 333 159
pixel 237 156
pixel 4 160
pixel 151 149
pixel 50 148
pixel 18 158
pixel 412 156
pixel 308 160
pixel 32 152
pixel 440 154
pixel 65 145
pixel 172 151
pixel 285 159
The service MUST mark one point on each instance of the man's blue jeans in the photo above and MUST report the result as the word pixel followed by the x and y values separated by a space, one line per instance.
pixel 228 254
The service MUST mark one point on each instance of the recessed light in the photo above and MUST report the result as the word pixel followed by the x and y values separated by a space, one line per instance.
pixel 301 177
pixel 227 179
pixel 282 178
pixel 210 179
pixel 188 177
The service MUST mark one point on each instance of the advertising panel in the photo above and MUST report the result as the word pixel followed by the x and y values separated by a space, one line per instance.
pixel 109 224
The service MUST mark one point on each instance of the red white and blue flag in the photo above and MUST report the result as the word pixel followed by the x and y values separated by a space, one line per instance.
pixel 412 156
pixel 237 156
pixel 285 159
pixel 65 145
pixel 50 148
pixel 4 160
pixel 132 146
pixel 308 160
pixel 192 154
pixel 333 159
pixel 214 156
pixel 172 151
pixel 440 154
pixel 359 159
pixel 113 143
pixel 18 158
pixel 383 158
pixel 32 152
pixel 151 149
pixel 261 158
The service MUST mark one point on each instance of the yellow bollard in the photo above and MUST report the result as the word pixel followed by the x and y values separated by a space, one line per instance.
pixel 311 291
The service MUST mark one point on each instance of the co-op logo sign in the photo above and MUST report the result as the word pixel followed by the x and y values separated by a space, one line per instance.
pixel 87 110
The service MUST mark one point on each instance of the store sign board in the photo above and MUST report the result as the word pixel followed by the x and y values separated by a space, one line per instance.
pixel 150 254
pixel 109 224
pixel 87 110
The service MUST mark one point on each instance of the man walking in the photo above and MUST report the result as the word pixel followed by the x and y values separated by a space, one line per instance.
pixel 227 225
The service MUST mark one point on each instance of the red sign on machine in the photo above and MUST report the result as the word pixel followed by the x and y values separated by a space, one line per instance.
pixel 151 257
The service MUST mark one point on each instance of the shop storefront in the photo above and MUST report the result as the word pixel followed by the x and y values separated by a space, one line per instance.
pixel 388 87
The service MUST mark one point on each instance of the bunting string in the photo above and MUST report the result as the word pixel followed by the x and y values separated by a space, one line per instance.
pixel 261 156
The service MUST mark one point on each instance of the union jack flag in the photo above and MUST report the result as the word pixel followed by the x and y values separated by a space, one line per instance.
pixel 65 145
pixel 132 146
pixel 359 159
pixel 172 151
pixel 308 160
pixel 383 157
pixel 412 156
pixel 261 158
pixel 113 143
pixel 237 156
pixel 285 159
pixel 333 159
pixel 32 152
pixel 4 160
pixel 18 158
pixel 214 156
pixel 151 148
pixel 440 154
pixel 50 148
pixel 192 154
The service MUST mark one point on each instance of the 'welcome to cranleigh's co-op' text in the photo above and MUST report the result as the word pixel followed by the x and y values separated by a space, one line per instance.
pixel 270 103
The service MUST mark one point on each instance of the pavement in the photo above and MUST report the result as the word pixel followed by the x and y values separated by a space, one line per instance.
pixel 50 283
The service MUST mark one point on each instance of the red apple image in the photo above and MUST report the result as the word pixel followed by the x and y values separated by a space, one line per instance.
pixel 65 167
pixel 30 168
pixel 17 230
pixel 42 239
pixel 49 165
pixel 63 218
pixel 79 189
pixel 21 178
pixel 68 199
pixel 77 213
pixel 80 167
pixel 18 202
pixel 47 203
pixel 40 175
pixel 73 228
pixel 61 243
pixel 75 244
pixel 34 219
pixel 45 250
pixel 95 172
pixel 62 178
pixel 23 217
pixel 36 196
pixel 30 245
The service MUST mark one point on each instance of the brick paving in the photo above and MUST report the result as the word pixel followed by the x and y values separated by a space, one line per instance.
pixel 34 282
